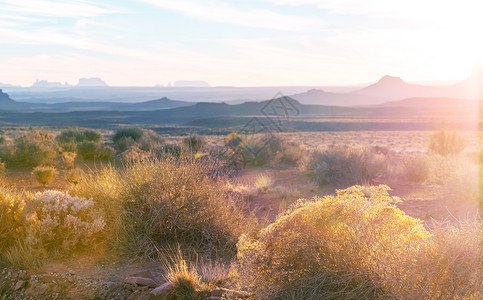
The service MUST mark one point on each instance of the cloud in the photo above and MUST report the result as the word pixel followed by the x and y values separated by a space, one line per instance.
pixel 223 12
pixel 52 8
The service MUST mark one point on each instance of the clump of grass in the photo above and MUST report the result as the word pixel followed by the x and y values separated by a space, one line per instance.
pixel 263 183
pixel 45 174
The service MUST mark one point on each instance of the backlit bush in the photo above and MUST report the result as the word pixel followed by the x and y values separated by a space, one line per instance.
pixel 158 202
pixel 417 167
pixel 346 166
pixel 44 175
pixel 182 203
pixel 444 143
pixel 358 245
pixel 62 224
pixel 12 220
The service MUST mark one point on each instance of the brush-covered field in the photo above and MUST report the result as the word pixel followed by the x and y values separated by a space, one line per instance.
pixel 131 214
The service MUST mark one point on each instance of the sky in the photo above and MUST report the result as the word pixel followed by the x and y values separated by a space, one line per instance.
pixel 238 43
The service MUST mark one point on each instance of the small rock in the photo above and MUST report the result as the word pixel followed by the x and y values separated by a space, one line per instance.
pixel 140 281
pixel 161 291
pixel 19 285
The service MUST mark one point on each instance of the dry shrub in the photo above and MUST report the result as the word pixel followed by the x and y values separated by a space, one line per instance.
pixel 444 143
pixel 357 245
pixel 12 220
pixel 3 169
pixel 44 174
pixel 346 166
pixel 182 204
pixel 64 225
pixel 165 201
pixel 417 168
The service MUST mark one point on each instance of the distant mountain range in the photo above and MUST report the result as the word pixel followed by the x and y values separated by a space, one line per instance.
pixel 6 103
pixel 390 88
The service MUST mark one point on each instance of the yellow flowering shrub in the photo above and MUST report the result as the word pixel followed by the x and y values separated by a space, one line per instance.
pixel 354 245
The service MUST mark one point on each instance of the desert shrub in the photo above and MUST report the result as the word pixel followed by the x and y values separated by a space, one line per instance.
pixel 357 245
pixel 290 153
pixel 12 220
pixel 462 183
pixel 69 139
pixel 444 143
pixel 344 165
pixel 182 203
pixel 2 139
pixel 3 169
pixel 95 151
pixel 173 150
pixel 44 174
pixel 417 167
pixel 233 140
pixel 131 132
pixel 125 143
pixel 30 150
pixel 68 159
pixel 151 142
pixel 165 201
pixel 194 143
pixel 64 225
pixel 73 176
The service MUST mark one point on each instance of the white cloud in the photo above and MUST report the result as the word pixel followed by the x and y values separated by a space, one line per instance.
pixel 52 8
pixel 221 11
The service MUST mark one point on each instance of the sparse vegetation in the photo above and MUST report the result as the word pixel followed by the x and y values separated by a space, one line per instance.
pixel 360 243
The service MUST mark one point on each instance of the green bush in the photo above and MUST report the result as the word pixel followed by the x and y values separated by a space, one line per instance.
pixel 44 174
pixel 358 245
pixel 30 150
pixel 78 135
pixel 95 151
pixel 444 143
pixel 69 139
pixel 131 132
pixel 346 166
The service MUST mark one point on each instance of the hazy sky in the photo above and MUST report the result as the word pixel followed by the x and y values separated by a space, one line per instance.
pixel 243 43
